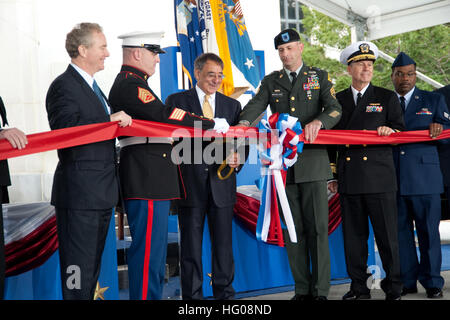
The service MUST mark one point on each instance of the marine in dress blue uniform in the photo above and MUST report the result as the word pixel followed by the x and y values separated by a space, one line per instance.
pixel 148 177
pixel 420 182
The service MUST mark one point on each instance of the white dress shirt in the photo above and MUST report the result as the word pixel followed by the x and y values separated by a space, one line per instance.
pixel 406 96
pixel 89 80
pixel 355 92
pixel 212 99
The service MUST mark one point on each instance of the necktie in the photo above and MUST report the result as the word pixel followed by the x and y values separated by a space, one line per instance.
pixel 358 98
pixel 207 110
pixel 100 96
pixel 403 104
pixel 294 77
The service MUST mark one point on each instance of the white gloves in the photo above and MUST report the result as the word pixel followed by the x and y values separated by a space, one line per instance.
pixel 221 125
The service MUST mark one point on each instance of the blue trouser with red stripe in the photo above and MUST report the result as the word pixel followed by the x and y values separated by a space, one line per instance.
pixel 148 221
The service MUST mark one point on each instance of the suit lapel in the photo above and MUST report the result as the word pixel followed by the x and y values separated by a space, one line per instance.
pixel 348 106
pixel 194 102
pixel 414 102
pixel 283 80
pixel 301 78
pixel 359 110
pixel 88 90
pixel 413 106
pixel 219 111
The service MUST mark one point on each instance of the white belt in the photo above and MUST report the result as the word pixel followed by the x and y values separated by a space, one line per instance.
pixel 143 140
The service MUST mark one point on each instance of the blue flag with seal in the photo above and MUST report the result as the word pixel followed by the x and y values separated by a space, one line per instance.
pixel 241 49
pixel 188 31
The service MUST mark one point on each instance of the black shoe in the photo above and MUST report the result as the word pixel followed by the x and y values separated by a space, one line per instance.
pixel 392 296
pixel 434 293
pixel 302 297
pixel 320 298
pixel 353 295
pixel 406 290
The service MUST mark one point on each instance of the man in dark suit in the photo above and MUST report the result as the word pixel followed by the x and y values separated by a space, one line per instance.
pixel 366 174
pixel 85 185
pixel 18 140
pixel 420 182
pixel 444 151
pixel 148 176
pixel 206 194
pixel 306 93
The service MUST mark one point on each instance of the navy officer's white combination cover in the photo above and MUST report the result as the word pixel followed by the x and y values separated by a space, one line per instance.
pixel 357 51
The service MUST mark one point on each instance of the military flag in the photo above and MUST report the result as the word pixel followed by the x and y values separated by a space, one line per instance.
pixel 188 31
pixel 241 50
pixel 222 30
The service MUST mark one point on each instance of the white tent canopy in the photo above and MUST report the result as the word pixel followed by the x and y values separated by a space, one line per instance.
pixel 382 18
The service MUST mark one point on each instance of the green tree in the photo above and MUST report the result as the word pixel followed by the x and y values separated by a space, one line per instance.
pixel 429 47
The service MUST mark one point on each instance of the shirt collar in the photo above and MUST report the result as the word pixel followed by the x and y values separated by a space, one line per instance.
pixel 201 95
pixel 407 96
pixel 86 76
pixel 363 90
pixel 288 72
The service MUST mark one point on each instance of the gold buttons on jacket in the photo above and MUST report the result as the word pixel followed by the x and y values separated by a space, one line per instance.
pixel 348 158
pixel 292 98
pixel 365 158
pixel 292 109
pixel 164 155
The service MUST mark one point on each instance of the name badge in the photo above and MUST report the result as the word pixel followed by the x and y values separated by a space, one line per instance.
pixel 277 93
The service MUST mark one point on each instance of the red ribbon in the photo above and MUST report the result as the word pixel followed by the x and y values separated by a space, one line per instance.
pixel 74 136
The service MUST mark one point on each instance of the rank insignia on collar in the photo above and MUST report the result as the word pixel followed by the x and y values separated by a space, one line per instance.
pixel 145 96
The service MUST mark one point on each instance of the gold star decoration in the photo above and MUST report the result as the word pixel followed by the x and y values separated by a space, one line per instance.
pixel 99 292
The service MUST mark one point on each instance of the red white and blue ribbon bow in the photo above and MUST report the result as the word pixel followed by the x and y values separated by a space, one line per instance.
pixel 279 153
